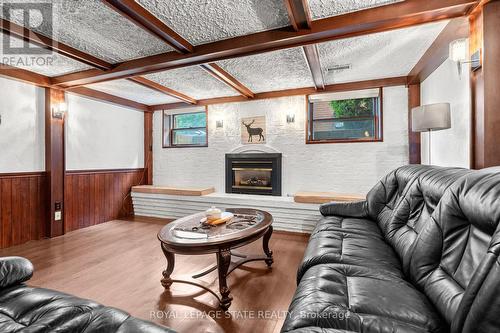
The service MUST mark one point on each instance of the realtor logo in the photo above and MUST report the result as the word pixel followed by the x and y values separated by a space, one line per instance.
pixel 32 16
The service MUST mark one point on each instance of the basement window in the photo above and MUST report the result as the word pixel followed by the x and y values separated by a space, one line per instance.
pixel 354 116
pixel 185 129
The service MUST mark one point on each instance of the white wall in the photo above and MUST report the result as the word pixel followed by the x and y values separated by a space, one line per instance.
pixel 449 147
pixel 100 135
pixel 344 168
pixel 22 132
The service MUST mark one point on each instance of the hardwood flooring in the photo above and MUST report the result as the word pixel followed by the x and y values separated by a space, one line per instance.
pixel 119 264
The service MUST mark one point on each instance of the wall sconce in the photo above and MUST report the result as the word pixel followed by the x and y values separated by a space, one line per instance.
pixel 59 109
pixel 219 123
pixel 458 52
pixel 290 118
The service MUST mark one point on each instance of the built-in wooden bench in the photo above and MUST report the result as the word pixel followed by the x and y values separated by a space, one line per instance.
pixel 173 190
pixel 323 197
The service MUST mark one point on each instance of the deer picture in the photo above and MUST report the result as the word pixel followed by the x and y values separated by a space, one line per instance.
pixel 253 131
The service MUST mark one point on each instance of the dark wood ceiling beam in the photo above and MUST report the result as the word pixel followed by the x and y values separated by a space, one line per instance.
pixel 312 58
pixel 399 15
pixel 298 14
pixel 147 21
pixel 102 96
pixel 227 79
pixel 32 37
pixel 40 80
pixel 438 52
pixel 388 82
pixel 158 87
pixel 25 76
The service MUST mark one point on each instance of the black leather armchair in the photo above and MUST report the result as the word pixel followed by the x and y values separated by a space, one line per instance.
pixel 421 254
pixel 28 309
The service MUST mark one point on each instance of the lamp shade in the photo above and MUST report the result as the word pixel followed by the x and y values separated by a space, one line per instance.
pixel 429 117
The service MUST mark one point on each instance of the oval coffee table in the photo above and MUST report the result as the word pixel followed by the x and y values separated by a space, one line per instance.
pixel 187 236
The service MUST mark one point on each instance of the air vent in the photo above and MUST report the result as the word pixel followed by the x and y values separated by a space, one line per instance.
pixel 338 68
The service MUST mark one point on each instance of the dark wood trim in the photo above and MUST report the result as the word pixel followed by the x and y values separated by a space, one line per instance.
pixel 298 14
pixel 158 87
pixel 484 86
pixel 44 81
pixel 438 52
pixel 94 171
pixel 170 132
pixel 414 146
pixel 23 174
pixel 378 124
pixel 360 85
pixel 395 16
pixel 380 118
pixel 226 78
pixel 54 162
pixel 25 76
pixel 102 96
pixel 32 37
pixel 148 148
pixel 147 21
pixel 312 58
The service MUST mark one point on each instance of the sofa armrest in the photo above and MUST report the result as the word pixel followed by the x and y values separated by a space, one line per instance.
pixel 347 209
pixel 14 270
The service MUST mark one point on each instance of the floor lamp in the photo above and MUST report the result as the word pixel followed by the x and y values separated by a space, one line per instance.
pixel 431 118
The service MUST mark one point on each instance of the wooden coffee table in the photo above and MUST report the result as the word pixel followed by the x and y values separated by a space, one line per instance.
pixel 187 236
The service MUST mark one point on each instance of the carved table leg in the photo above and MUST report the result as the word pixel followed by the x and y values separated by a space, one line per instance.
pixel 265 244
pixel 166 281
pixel 223 262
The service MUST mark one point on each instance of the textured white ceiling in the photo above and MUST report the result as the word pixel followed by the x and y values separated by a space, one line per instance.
pixel 194 82
pixel 93 27
pixel 133 91
pixel 386 54
pixel 277 70
pixel 51 64
pixel 202 21
pixel 326 8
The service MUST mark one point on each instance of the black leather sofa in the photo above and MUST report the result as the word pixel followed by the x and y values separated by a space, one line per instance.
pixel 37 310
pixel 421 254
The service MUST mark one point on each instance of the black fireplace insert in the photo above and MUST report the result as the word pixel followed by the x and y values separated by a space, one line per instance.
pixel 258 173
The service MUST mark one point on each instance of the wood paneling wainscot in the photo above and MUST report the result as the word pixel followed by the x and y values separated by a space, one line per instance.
pixel 22 207
pixel 96 196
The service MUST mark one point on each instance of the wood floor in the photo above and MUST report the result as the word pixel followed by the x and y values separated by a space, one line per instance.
pixel 119 264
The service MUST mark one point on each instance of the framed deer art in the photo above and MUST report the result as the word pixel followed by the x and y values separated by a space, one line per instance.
pixel 253 130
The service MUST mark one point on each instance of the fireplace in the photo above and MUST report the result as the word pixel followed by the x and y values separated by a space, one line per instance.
pixel 253 173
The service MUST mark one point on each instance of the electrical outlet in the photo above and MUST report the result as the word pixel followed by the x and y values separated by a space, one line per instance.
pixel 57 216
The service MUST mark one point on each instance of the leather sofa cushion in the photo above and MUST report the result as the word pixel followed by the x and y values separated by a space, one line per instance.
pixel 336 296
pixel 349 241
pixel 415 208
pixel 14 270
pixel 28 309
pixel 346 224
pixel 452 249
pixel 313 329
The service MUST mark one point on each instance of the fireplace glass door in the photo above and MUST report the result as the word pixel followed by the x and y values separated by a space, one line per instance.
pixel 253 174
pixel 253 178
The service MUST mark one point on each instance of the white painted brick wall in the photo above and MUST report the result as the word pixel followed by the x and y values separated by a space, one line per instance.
pixel 343 168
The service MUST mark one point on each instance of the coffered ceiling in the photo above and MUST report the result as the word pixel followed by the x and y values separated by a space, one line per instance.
pixel 192 81
pixel 202 21
pixel 130 90
pixel 326 8
pixel 104 30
